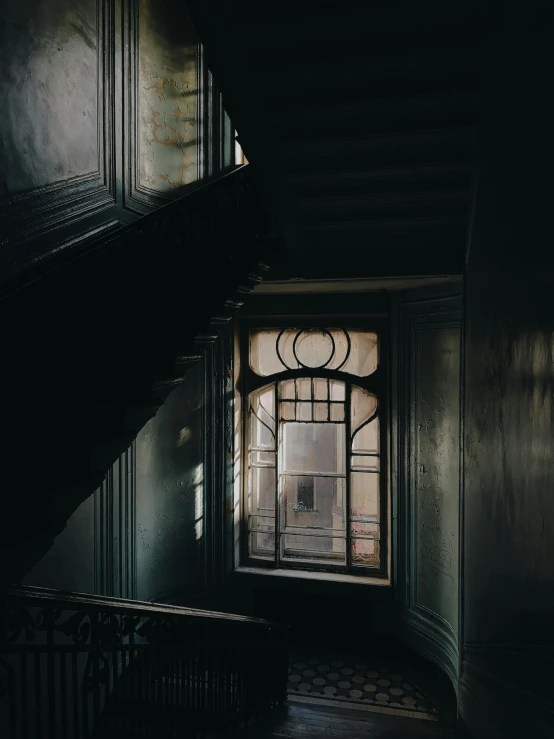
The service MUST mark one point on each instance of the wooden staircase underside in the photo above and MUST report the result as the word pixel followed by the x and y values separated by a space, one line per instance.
pixel 359 120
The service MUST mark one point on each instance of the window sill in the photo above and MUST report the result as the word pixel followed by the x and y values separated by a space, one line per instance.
pixel 285 576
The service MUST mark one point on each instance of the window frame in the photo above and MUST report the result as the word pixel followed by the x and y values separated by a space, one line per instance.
pixel 377 383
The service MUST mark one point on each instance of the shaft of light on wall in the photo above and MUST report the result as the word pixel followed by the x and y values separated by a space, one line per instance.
pixel 239 154
pixel 199 501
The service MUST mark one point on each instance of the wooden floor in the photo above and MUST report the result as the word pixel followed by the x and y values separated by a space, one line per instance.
pixel 296 721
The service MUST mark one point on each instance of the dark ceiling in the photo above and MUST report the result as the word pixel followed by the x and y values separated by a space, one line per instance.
pixel 359 121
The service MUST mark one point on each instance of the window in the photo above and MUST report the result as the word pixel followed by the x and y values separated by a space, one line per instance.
pixel 314 488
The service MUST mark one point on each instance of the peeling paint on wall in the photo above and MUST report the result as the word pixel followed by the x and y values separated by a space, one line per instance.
pixel 167 96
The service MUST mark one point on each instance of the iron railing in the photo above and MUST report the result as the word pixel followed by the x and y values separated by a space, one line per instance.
pixel 75 666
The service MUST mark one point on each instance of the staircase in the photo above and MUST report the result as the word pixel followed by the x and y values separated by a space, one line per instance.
pixel 360 118
pixel 79 666
pixel 91 349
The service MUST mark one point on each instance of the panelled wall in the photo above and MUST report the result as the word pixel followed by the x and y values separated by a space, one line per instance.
pixel 108 111
pixel 429 474
pixel 147 533
pixel 506 685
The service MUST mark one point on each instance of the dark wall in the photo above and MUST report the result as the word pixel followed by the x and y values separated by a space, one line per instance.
pixel 148 532
pixel 429 356
pixel 70 563
pixel 509 424
pixel 101 104
pixel 49 91
pixel 170 496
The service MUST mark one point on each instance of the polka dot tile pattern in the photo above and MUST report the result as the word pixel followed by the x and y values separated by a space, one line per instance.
pixel 341 678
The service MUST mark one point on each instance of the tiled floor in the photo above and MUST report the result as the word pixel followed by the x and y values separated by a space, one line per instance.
pixel 351 681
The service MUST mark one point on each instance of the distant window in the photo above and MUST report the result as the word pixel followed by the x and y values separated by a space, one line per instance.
pixel 313 488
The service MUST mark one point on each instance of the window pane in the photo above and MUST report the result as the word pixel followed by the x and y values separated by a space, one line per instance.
pixel 264 358
pixel 262 489
pixel 262 459
pixel 304 388
pixel 313 549
pixel 262 545
pixel 312 501
pixel 367 438
pixel 364 353
pixel 363 405
pixel 365 552
pixel 321 388
pixel 364 495
pixel 337 390
pixel 347 350
pixel 262 419
pixel 288 411
pixel 313 348
pixel 287 390
pixel 321 411
pixel 314 447
pixel 337 412
pixel 304 412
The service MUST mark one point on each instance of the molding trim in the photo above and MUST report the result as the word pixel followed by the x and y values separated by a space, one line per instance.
pixel 35 213
pixel 115 530
pixel 423 629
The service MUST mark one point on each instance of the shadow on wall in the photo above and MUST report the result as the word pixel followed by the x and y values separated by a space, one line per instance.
pixel 170 542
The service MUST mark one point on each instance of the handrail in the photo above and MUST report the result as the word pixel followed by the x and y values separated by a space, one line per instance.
pixel 79 665
pixel 33 594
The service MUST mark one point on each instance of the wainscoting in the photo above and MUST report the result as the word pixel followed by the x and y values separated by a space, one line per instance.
pixel 429 481
pixel 109 111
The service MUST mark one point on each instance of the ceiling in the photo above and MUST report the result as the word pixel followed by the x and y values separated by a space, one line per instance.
pixel 359 122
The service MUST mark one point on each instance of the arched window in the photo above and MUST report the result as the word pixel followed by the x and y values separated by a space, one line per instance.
pixel 314 489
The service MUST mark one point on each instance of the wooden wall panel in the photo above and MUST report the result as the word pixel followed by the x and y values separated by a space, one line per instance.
pixel 429 476
pixel 108 111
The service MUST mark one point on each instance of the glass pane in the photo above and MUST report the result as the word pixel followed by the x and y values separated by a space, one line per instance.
pixel 287 390
pixel 288 411
pixel 364 495
pixel 363 405
pixel 337 390
pixel 262 459
pixel 304 412
pixel 321 389
pixel 262 419
pixel 365 552
pixel 321 411
pixel 311 501
pixel 364 353
pixel 264 357
pixel 352 351
pixel 365 463
pixel 367 438
pixel 314 348
pixel 313 447
pixel 337 412
pixel 304 388
pixel 366 530
pixel 317 549
pixel 262 489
